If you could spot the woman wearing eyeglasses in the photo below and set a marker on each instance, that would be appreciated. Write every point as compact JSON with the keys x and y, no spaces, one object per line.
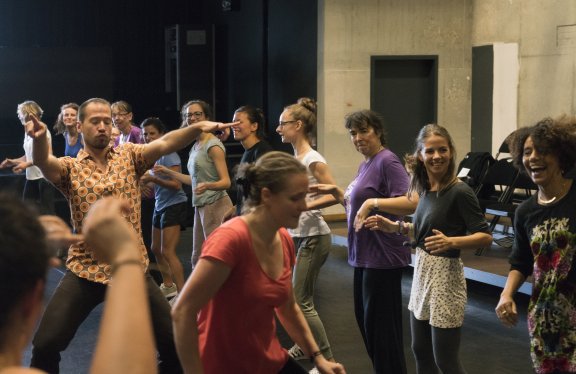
{"x":312,"y":236}
{"x":122,"y":117}
{"x":208,"y":177}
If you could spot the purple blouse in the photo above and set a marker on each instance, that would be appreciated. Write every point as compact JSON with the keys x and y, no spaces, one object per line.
{"x":380,"y":177}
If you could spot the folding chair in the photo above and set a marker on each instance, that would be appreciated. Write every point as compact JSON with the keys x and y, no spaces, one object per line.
{"x":501,"y":177}
{"x":523,"y":189}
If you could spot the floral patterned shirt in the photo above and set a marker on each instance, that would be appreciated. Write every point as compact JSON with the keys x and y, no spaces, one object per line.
{"x":545,"y":243}
{"x":82,"y":182}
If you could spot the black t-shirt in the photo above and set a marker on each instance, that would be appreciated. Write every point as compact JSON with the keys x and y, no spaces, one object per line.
{"x":537,"y":226}
{"x":249,"y":156}
{"x":455,"y":212}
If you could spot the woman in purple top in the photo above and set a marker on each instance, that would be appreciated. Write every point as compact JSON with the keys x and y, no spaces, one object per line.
{"x":378,"y":258}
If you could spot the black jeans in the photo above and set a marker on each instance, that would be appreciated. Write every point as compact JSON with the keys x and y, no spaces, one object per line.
{"x":40,"y":193}
{"x":72,"y":302}
{"x":378,"y":310}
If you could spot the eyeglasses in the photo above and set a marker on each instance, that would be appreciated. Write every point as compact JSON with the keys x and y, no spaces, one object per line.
{"x":284,"y":123}
{"x":122,"y":114}
{"x":193,"y":114}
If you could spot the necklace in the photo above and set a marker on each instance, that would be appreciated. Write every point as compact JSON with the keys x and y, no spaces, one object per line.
{"x":563,"y":192}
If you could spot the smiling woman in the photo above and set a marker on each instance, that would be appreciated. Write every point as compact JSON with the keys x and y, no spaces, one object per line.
{"x":544,"y":244}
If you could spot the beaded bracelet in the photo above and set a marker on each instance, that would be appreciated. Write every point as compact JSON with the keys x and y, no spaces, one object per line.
{"x":117,"y":265}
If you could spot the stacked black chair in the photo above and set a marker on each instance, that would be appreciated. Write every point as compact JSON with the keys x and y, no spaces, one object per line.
{"x":501,"y":177}
{"x":523,"y":189}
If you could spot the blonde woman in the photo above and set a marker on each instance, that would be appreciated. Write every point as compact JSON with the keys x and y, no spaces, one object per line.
{"x":312,"y":237}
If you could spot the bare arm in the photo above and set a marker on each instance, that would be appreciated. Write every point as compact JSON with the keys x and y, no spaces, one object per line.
{"x":12,"y":162}
{"x":321,"y":172}
{"x":203,"y":284}
{"x":219,"y":157}
{"x":296,"y":326}
{"x":172,"y":183}
{"x":18,"y":165}
{"x":125,"y":342}
{"x":328,"y":189}
{"x":506,"y":308}
{"x":439,"y":242}
{"x":400,"y":206}
{"x":42,"y":150}
{"x":177,"y":175}
{"x":178,"y":139}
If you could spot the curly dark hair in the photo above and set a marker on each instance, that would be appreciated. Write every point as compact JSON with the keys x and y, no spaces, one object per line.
{"x":555,"y":136}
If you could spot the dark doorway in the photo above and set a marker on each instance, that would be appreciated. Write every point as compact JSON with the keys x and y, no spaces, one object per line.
{"x":482,"y":97}
{"x":403,"y":89}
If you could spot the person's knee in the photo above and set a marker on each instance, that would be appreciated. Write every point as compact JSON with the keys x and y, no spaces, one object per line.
{"x":156,"y":249}
{"x":307,"y":308}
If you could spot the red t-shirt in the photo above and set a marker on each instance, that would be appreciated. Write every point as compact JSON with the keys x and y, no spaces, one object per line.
{"x":237,"y":328}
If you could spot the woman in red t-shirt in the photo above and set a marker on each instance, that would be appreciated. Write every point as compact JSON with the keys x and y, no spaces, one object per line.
{"x":224,"y":320}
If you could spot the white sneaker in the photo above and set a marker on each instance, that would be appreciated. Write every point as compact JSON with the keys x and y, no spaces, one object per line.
{"x":169,"y":292}
{"x":172,"y":301}
{"x":314,"y":371}
{"x":296,"y":353}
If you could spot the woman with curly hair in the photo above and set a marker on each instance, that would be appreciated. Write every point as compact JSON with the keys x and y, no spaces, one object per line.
{"x":544,"y":244}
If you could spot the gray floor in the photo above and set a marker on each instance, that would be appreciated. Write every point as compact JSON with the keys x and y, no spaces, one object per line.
{"x":487,"y":346}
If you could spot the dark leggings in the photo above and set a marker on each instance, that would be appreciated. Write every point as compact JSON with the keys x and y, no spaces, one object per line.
{"x":436,"y":350}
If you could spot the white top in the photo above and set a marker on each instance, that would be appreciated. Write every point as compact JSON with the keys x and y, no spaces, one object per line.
{"x":311,"y":221}
{"x":33,"y":172}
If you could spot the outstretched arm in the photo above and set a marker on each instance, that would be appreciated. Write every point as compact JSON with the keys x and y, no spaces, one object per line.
{"x":177,"y":175}
{"x":400,"y":206}
{"x":180,"y":138}
{"x":125,"y":342}
{"x":172,"y":183}
{"x":328,"y":189}
{"x":321,"y":172}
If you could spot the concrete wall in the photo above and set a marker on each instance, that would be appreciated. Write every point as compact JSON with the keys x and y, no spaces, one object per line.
{"x":350,"y":31}
{"x":545,"y":31}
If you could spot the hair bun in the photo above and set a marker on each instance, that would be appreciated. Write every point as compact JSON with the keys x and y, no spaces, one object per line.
{"x":308,"y":103}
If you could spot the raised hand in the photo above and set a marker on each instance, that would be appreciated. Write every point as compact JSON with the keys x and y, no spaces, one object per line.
{"x":34,"y":127}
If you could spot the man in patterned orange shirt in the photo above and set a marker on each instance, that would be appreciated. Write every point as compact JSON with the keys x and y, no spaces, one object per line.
{"x":100,"y":170}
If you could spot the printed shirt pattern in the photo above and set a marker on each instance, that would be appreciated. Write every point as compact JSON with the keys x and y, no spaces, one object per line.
{"x":552,"y":309}
{"x":83,"y":183}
